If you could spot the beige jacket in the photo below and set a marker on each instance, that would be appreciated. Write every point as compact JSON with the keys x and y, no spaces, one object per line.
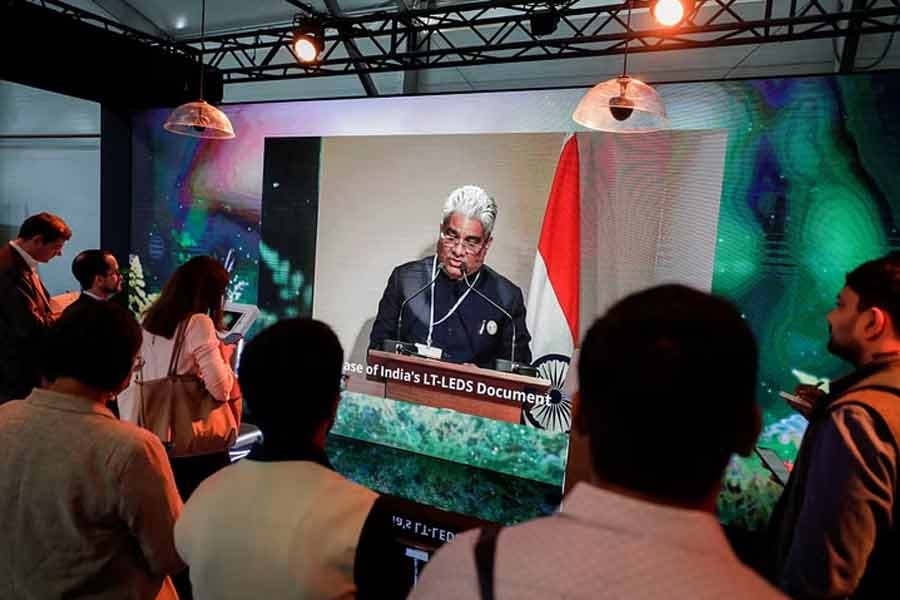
{"x":286,"y":530}
{"x":88,"y":503}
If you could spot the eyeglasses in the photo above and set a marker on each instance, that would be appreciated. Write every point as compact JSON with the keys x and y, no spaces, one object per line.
{"x":471,"y":245}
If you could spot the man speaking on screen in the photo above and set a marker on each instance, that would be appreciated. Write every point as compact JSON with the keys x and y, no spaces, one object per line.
{"x":451,"y":304}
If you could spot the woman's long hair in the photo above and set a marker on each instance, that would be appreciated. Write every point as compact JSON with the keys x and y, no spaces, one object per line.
{"x":196,"y":287}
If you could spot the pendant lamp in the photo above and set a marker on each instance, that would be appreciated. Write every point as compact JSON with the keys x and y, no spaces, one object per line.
{"x":199,"y":118}
{"x":622,"y":104}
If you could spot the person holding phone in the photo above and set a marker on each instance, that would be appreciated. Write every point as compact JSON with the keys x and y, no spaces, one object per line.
{"x":834,"y":530}
{"x":191,"y":302}
{"x":776,"y":466}
{"x":193,"y":297}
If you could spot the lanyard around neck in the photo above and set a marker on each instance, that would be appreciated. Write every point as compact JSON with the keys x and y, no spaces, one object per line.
{"x":431,"y":322}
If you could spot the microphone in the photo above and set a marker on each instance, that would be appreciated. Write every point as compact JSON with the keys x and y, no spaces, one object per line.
{"x":437,"y":274}
{"x":512,"y":357}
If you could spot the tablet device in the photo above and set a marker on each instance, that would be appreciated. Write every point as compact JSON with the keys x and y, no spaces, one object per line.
{"x":773,"y":463}
{"x":238,"y":318}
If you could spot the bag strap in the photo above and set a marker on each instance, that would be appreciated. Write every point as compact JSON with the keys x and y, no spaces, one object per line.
{"x":877,"y":387}
{"x":139,"y":379}
{"x":176,"y":348}
{"x":485,"y":557}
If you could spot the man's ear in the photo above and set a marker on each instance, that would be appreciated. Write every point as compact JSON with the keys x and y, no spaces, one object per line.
{"x":334,"y":411}
{"x":578,"y":462}
{"x":579,"y":419}
{"x":877,"y":322}
{"x":487,"y":244}
{"x":748,"y":435}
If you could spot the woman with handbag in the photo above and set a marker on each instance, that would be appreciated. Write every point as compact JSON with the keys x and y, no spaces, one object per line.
{"x":185,"y":390}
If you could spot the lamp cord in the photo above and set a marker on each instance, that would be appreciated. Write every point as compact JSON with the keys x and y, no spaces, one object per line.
{"x":202,"y":44}
{"x":627,"y":32}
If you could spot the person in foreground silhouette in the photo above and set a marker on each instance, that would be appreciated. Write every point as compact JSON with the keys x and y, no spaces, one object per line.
{"x":667,"y":381}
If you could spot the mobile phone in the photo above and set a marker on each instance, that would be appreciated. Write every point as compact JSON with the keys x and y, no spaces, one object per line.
{"x":232,"y":338}
{"x":797,"y":403}
{"x":773,"y":463}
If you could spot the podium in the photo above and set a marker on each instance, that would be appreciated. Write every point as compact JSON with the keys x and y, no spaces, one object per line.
{"x":463,"y":388}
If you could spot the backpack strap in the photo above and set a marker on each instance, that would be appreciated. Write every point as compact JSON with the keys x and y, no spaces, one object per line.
{"x":875,"y":401}
{"x":880,"y":401}
{"x":875,"y":386}
{"x":485,"y":558}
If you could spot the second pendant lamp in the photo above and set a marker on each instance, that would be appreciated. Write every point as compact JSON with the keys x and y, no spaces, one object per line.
{"x":199,"y":118}
{"x":622,"y":104}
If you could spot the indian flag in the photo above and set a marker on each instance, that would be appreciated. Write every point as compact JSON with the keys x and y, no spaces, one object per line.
{"x":554,"y":293}
{"x":625,"y":212}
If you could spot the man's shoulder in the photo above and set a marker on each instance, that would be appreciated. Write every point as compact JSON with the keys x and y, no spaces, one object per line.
{"x":130,"y":439}
{"x":523,"y":535}
{"x":524,"y":552}
{"x":131,"y":433}
{"x":304,"y":475}
{"x":10,"y":261}
{"x":420,"y":265}
{"x":864,"y":419}
{"x":453,"y":560}
{"x":412,"y":273}
{"x":12,"y":409}
{"x":310,"y":474}
{"x":877,"y":394}
{"x":119,"y":440}
{"x":81,"y":300}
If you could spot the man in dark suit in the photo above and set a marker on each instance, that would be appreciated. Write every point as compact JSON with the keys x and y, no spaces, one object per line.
{"x":25,"y":303}
{"x":97,"y":271}
{"x":450,"y":311}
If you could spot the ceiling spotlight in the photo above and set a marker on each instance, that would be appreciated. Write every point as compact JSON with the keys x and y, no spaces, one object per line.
{"x":669,"y":13}
{"x":544,"y":23}
{"x":308,"y":41}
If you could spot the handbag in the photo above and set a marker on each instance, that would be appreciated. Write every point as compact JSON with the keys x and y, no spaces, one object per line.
{"x":182,"y":413}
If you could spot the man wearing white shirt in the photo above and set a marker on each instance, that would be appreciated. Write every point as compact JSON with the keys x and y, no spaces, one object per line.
{"x":281,"y":523}
{"x":666,"y":395}
{"x":25,"y":303}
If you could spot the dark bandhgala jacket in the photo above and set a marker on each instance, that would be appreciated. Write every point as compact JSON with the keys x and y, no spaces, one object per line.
{"x":474,"y":332}
{"x":24,"y":317}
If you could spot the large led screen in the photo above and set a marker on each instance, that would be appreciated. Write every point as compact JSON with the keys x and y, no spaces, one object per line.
{"x":764,"y":191}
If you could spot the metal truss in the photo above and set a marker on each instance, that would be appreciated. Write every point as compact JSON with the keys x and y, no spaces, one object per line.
{"x":482,"y":33}
{"x":86,"y":17}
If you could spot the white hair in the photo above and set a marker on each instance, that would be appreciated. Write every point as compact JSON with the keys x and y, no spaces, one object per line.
{"x":473,"y":202}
